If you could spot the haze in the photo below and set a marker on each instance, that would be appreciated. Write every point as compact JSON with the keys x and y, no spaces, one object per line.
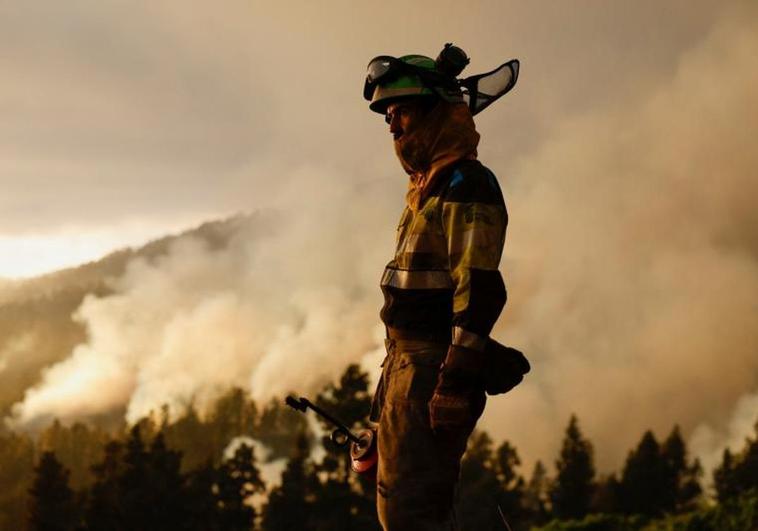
{"x":625,"y":154}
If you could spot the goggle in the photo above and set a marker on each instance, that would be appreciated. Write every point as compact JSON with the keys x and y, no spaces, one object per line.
{"x":384,"y":68}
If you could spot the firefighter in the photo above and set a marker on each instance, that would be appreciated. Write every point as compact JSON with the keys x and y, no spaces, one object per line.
{"x":442,"y":289}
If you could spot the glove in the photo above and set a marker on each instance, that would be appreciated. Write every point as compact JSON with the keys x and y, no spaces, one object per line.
{"x":458,"y":399}
{"x":505,"y":368}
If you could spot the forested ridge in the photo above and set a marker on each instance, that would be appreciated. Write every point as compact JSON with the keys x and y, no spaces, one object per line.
{"x":203,"y":472}
{"x":37,"y":324}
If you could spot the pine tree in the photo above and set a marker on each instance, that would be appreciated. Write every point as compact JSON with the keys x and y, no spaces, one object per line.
{"x":201,"y":506}
{"x":738,"y":473}
{"x":536,"y":501}
{"x":605,"y":499}
{"x":105,"y":509}
{"x":165,"y":490}
{"x":290,"y":505}
{"x":16,"y":473}
{"x":644,"y":484}
{"x":511,"y":498}
{"x":189,"y":434}
{"x":746,"y":469}
{"x":52,"y":505}
{"x":344,"y":500}
{"x":571,"y":492}
{"x":238,"y":480}
{"x":233,"y":415}
{"x":76,"y":447}
{"x":350,"y":402}
{"x":479,"y":486}
{"x":138,"y":487}
{"x":681,"y":477}
{"x":133,"y":485}
{"x":724,"y":478}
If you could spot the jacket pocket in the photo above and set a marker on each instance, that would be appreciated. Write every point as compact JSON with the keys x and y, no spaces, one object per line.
{"x":413,"y":372}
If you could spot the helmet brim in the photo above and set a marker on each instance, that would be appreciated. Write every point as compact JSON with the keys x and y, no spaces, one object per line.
{"x":385,"y":96}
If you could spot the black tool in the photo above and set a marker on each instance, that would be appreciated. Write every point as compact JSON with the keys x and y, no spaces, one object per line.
{"x":363,"y":456}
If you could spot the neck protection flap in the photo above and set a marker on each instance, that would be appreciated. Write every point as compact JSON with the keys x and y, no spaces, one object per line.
{"x":444,"y":136}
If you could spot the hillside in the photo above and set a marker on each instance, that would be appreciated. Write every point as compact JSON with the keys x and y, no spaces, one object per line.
{"x":36,"y":324}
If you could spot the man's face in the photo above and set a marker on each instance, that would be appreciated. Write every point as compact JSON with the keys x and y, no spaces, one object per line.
{"x":404,"y":117}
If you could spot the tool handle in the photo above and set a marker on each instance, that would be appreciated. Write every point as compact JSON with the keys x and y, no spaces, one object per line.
{"x":302,"y":404}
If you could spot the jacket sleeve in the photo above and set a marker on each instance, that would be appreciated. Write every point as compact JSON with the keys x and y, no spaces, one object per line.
{"x":474,"y":219}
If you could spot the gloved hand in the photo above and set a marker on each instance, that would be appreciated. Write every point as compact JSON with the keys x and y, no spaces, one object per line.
{"x":458,"y":399}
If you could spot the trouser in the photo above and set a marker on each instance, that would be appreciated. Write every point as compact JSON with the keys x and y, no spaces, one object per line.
{"x":418,"y":469}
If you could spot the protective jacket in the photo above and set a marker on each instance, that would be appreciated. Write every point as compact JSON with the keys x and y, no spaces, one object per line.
{"x":444,"y":280}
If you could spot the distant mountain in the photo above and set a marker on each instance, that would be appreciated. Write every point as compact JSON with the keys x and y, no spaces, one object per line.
{"x":36,"y":328}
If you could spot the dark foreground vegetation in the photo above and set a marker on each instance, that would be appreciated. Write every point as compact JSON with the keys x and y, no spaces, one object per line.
{"x":183,"y":474}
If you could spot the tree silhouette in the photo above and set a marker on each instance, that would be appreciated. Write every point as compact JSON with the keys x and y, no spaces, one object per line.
{"x":133,"y":484}
{"x":16,"y":472}
{"x":104,"y":512}
{"x":344,"y":500}
{"x":644,"y":479}
{"x":138,"y":487}
{"x":682,"y":485}
{"x":512,"y":485}
{"x":738,"y":473}
{"x":349,"y":401}
{"x":489,"y":481}
{"x":605,"y":498}
{"x":202,"y":507}
{"x":480,"y":487}
{"x":238,"y":480}
{"x":165,"y":490}
{"x":189,"y":434}
{"x":233,"y":415}
{"x":571,"y":492}
{"x":290,"y":505}
{"x":52,"y":504}
{"x":536,"y":501}
{"x":724,"y":478}
{"x":76,"y":447}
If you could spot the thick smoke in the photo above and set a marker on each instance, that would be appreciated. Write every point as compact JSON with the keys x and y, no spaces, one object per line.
{"x":709,"y":443}
{"x":285,"y":306}
{"x":632,"y":254}
{"x":631,"y":261}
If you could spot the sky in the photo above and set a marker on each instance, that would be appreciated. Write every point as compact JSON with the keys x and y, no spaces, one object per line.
{"x":624,"y":154}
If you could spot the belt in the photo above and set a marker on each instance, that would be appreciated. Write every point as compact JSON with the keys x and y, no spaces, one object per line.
{"x":434,"y":336}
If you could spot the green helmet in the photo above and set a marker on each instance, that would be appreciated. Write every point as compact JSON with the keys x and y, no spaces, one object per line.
{"x":389,"y":79}
{"x":408,"y":85}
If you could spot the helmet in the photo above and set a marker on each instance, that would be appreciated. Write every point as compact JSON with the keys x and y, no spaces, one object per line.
{"x":405,"y":84}
{"x":390,"y":79}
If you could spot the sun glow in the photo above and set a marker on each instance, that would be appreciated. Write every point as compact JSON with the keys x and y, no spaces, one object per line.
{"x":35,"y":255}
{"x":30,"y":255}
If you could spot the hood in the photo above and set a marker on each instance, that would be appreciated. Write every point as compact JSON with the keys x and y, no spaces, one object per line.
{"x":444,"y":136}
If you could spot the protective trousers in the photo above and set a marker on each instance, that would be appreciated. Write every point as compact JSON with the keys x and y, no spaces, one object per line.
{"x":418,"y":469}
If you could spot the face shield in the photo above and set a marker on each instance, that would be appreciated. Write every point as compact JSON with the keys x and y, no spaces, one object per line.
{"x":481,"y":90}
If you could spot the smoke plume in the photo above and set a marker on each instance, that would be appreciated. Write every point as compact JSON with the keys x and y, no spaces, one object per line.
{"x":631,"y":261}
{"x":632,"y":256}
